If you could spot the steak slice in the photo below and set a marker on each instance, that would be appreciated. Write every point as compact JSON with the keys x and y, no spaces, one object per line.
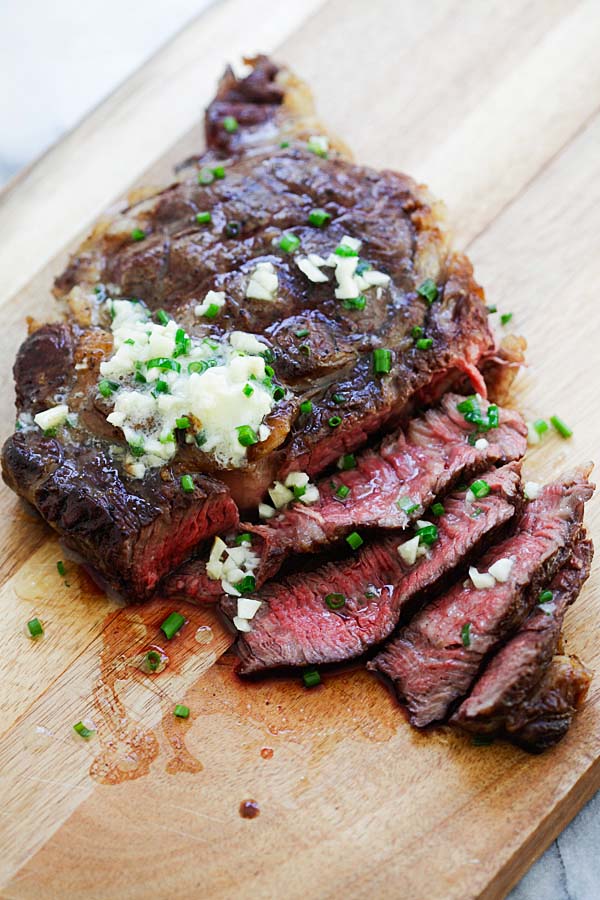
{"x":515,"y":672}
{"x":418,"y":463}
{"x":155,"y":251}
{"x":130,"y":535}
{"x":295,"y":626}
{"x":434,"y":661}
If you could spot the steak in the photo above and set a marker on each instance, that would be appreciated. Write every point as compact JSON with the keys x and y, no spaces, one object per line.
{"x":435,"y":659}
{"x":296,"y":626}
{"x":515,"y":671}
{"x":546,"y":715}
{"x":364,"y":362}
{"x":415,"y":464}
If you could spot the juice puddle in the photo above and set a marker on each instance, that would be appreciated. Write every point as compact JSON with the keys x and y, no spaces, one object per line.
{"x":125,"y":693}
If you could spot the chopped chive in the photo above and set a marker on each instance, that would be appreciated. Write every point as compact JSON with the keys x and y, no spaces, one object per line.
{"x":164,"y":363}
{"x":167,"y":438}
{"x":493,"y":416}
{"x":141,"y":379}
{"x":182,"y":422}
{"x":428,"y":290}
{"x":232,"y":229}
{"x":492,"y":309}
{"x":181,"y":711}
{"x":289,"y":242}
{"x":339,"y":398}
{"x":83,"y":731}
{"x":198,"y":366}
{"x":480,"y":488}
{"x":246,"y":435}
{"x":302,"y":332}
{"x":219,"y":172}
{"x":311,"y":678}
{"x":162,"y":317}
{"x":319,"y":217}
{"x":465,"y":635}
{"x":187,"y":484}
{"x":335,"y":601}
{"x":407,"y":505}
{"x":559,"y":425}
{"x":247,"y":390}
{"x":211,"y":311}
{"x":244,"y":538}
{"x":299,"y":490}
{"x":424,"y":344}
{"x":61,"y":568}
{"x":438,"y":509}
{"x":306,"y":407}
{"x":247,"y":585}
{"x":342,"y":492}
{"x":318,"y":145}
{"x":35,"y":628}
{"x":417,"y":331}
{"x":545,"y":597}
{"x":138,"y":234}
{"x":382,"y":361}
{"x":346,"y":462}
{"x":50,"y":432}
{"x":137,"y":449}
{"x":172,"y":624}
{"x":540,"y":426}
{"x":270,"y":371}
{"x":278,"y":392}
{"x":106,"y":388}
{"x":200,"y":439}
{"x":427,"y":535}
{"x":505,"y":318}
{"x":334,"y":421}
{"x":152,"y":660}
{"x":161,"y":387}
{"x":345,"y":251}
{"x":230,"y":124}
{"x":203,"y":218}
{"x":469,"y":405}
{"x":205,"y":176}
{"x":355,"y":302}
{"x":354,"y":540}
{"x":130,"y":341}
{"x":284,"y":144}
{"x":304,"y":348}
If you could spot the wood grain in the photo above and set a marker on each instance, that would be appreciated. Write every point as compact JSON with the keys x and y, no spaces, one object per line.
{"x":497,"y":110}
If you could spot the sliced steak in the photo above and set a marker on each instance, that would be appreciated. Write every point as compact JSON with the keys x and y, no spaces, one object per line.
{"x":435,"y":659}
{"x":156,"y":251}
{"x":130,"y":535}
{"x":296,"y":626}
{"x":416,"y":464}
{"x":546,"y":715}
{"x":515,"y":672}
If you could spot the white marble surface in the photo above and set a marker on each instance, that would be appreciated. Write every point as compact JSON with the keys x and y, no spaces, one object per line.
{"x":58,"y":60}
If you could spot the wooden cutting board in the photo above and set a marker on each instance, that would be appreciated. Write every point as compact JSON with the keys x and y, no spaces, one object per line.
{"x":496,"y":107}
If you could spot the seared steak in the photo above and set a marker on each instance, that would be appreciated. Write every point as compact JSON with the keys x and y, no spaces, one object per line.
{"x":340,"y":610}
{"x":363,"y":338}
{"x":436,"y":658}
{"x":546,"y":715}
{"x":497,"y":700}
{"x":414,"y":465}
